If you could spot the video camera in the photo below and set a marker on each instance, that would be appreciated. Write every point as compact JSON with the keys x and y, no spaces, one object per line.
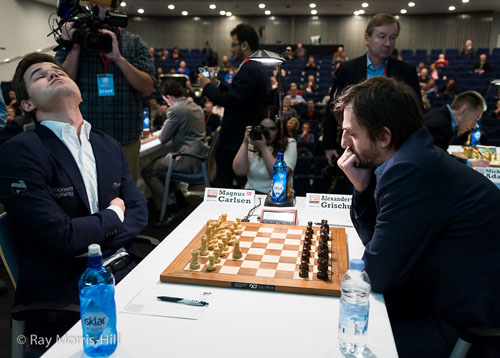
{"x":87,"y":24}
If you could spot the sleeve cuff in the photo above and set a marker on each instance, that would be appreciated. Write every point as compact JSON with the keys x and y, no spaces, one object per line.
{"x":118,"y":212}
{"x":469,"y":163}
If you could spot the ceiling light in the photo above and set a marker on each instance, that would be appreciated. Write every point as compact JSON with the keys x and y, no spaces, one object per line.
{"x":6,"y":60}
{"x":314,"y":12}
{"x":451,"y":8}
{"x":39,"y":50}
{"x":365,"y":4}
{"x":229,"y":13}
{"x":267,"y":12}
{"x":361,"y":12}
{"x":212,"y":6}
{"x":465,"y":1}
{"x":411,"y":4}
{"x":396,"y":16}
{"x":312,"y":5}
{"x":171,"y":7}
{"x":222,"y":12}
{"x":196,"y":18}
{"x":261,"y":6}
{"x":356,"y":12}
{"x":403,"y":11}
{"x":123,"y":4}
{"x":140,"y":11}
{"x":272,"y":18}
{"x":184,"y":13}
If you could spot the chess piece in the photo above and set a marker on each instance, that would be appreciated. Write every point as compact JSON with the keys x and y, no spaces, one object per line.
{"x":304,"y":270}
{"x":237,"y":250}
{"x":322,"y":269}
{"x":306,"y":253}
{"x":305,"y":257}
{"x":203,"y":248}
{"x":216,"y":256}
{"x":223,"y":217}
{"x":323,"y":254}
{"x":195,"y":264}
{"x":221,"y":249}
{"x":211,"y":263}
{"x":309,"y":224}
{"x":324,"y":224}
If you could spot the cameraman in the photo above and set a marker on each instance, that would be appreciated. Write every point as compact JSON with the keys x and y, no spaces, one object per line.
{"x":129,"y":68}
{"x":257,"y":163}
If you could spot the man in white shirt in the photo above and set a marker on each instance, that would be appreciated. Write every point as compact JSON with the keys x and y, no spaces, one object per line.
{"x":64,"y":186}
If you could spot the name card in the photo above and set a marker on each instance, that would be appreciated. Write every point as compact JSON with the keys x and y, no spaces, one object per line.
{"x":328,"y":201}
{"x":230,"y":196}
{"x":492,"y":174}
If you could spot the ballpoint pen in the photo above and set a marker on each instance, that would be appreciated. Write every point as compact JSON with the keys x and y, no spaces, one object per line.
{"x":183,"y":300}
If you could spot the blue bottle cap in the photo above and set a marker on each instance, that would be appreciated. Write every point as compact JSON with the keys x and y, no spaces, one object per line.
{"x":357,"y":264}
{"x":280,"y":156}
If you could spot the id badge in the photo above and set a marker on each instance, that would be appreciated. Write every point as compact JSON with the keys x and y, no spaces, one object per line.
{"x":105,"y":85}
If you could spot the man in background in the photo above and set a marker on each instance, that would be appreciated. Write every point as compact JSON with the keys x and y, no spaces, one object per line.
{"x":456,"y":119}
{"x":112,"y":85}
{"x":242,"y":101}
{"x":429,"y":224}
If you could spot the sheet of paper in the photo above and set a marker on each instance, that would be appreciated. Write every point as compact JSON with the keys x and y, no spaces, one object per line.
{"x":146,"y":302}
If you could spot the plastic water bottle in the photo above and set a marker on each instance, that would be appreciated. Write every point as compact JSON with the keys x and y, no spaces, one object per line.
{"x":97,"y":306}
{"x":146,"y":123}
{"x":279,"y":179}
{"x":354,"y":308}
{"x":476,"y":136}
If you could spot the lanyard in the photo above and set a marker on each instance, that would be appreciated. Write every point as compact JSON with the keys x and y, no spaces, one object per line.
{"x":106,"y":61}
{"x":385,"y":71}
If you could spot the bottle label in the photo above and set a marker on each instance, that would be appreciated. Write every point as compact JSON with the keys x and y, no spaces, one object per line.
{"x":353,"y":318}
{"x":94,"y":321}
{"x":279,"y":184}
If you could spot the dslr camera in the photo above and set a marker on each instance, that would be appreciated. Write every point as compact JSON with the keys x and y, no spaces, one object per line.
{"x":87,"y":24}
{"x":257,"y":132}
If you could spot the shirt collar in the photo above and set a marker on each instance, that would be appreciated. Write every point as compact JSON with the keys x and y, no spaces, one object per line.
{"x":380,"y":168}
{"x":370,"y":65}
{"x":454,"y":122}
{"x":62,"y":128}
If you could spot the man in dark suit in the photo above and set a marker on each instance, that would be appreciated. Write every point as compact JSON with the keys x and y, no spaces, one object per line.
{"x":380,"y":39}
{"x":429,"y":224}
{"x":456,"y":119}
{"x":242,"y":101}
{"x":64,"y":186}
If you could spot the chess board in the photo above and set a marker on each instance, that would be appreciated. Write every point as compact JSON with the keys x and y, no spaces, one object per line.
{"x":271,"y":259}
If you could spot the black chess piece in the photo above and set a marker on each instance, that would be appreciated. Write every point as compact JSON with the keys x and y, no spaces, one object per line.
{"x":304,"y":269}
{"x":309,"y":224}
{"x":306,"y":251}
{"x":322,"y":269}
{"x":322,"y":246}
{"x":305,"y":257}
{"x":324,"y":224}
{"x":323,"y":254}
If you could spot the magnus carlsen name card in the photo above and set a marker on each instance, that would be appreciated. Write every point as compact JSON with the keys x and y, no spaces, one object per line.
{"x":328,"y":201}
{"x":230,"y":196}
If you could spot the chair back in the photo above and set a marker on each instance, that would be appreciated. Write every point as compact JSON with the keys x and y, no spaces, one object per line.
{"x":211,"y":167}
{"x":7,"y":250}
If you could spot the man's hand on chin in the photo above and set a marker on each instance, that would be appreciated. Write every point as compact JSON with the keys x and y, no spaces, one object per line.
{"x":359,"y":177}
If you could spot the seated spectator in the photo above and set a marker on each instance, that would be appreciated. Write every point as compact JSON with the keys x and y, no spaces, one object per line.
{"x":306,"y":136}
{"x":175,"y":54}
{"x":152,"y":52}
{"x":450,"y":89}
{"x":423,"y":77}
{"x":326,"y":99}
{"x":310,"y":87}
{"x":300,"y":52}
{"x":183,"y":70}
{"x":288,"y":109}
{"x":468,"y":50}
{"x":310,"y":65}
{"x":292,"y":127}
{"x":212,"y":120}
{"x":340,"y":55}
{"x":12,"y":101}
{"x":256,"y":161}
{"x":482,"y":66}
{"x":293,"y":86}
{"x":12,"y":126}
{"x":495,"y":113}
{"x":186,"y":127}
{"x":434,"y":71}
{"x":295,"y":99}
{"x":190,"y":92}
{"x":288,"y":55}
{"x":310,"y":113}
{"x":441,"y":61}
{"x":430,"y":86}
{"x":225,"y":63}
{"x":163,"y":54}
{"x":228,"y":78}
{"x":172,"y":71}
{"x":425,"y":101}
{"x":159,"y":72}
{"x":420,"y":67}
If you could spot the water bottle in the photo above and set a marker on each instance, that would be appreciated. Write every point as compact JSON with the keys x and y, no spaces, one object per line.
{"x":354,"y":308}
{"x":476,"y":136}
{"x":146,"y":123}
{"x":279,"y":179}
{"x":97,"y":306}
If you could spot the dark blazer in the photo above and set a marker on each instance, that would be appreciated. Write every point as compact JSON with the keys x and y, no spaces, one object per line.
{"x":430,"y":229}
{"x":242,"y":102}
{"x":438,"y":123}
{"x":354,"y":71}
{"x":45,"y":197}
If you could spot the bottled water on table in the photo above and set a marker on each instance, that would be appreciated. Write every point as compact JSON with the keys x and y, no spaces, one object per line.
{"x":354,"y":308}
{"x":279,"y":179}
{"x":97,"y":306}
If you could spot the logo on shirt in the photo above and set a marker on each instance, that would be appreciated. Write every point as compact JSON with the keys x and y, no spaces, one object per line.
{"x":19,"y":188}
{"x":63,"y":192}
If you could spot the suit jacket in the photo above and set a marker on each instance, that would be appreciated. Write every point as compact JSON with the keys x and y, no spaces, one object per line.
{"x":185,"y":124}
{"x":438,"y":123}
{"x":45,"y":197}
{"x":430,"y":229}
{"x":353,"y":72}
{"x":242,"y":102}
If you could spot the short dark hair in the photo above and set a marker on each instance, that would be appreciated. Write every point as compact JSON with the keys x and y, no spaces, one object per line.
{"x":472,"y":99}
{"x":172,"y":88}
{"x":381,"y":102}
{"x":247,"y":33}
{"x":18,"y":83}
{"x":381,"y":20}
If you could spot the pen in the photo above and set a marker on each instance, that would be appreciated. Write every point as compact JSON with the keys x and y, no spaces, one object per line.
{"x":183,"y":300}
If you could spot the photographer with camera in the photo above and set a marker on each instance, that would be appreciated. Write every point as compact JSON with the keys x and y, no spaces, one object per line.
{"x":111,"y":83}
{"x":258,"y":152}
